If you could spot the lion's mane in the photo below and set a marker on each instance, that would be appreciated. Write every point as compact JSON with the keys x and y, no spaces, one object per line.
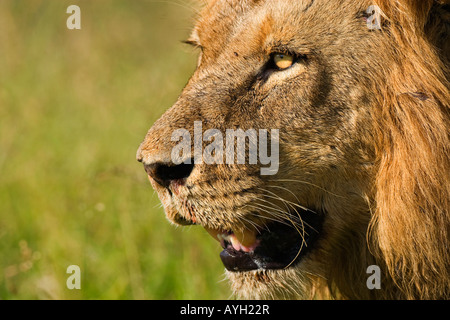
{"x":410,"y":225}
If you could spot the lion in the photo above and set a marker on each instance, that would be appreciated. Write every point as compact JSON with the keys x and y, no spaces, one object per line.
{"x":363,"y":176}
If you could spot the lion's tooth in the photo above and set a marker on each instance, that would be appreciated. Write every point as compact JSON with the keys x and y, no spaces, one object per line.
{"x":221,"y":240}
{"x":241,"y":241}
{"x":225,"y":237}
{"x":213,"y":232}
{"x":235,"y":243}
{"x":247,"y":238}
{"x":217,"y":234}
{"x":251,"y":248}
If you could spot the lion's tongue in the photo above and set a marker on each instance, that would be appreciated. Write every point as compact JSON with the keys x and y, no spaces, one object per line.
{"x":240,"y":240}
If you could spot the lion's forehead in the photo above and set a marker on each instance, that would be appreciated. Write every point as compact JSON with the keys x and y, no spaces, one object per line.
{"x":252,"y":23}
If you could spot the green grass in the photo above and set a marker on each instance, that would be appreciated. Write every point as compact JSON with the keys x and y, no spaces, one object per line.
{"x":74,"y":106}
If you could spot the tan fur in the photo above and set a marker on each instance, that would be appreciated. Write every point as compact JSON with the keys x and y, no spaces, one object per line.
{"x":364,"y":138}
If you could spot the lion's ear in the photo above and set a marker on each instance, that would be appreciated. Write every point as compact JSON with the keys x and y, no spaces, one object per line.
{"x":408,"y":13}
{"x":427,"y":19}
{"x":438,"y":29}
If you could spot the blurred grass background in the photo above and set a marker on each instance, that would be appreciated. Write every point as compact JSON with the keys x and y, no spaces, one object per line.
{"x":74,"y":106}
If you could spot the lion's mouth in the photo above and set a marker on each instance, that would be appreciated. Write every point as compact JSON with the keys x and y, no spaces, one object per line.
{"x":279,"y":246}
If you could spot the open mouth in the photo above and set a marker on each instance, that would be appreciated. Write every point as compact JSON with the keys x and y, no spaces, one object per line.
{"x":279,"y":246}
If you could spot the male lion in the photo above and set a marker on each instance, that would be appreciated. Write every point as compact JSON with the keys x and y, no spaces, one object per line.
{"x":364,"y":170}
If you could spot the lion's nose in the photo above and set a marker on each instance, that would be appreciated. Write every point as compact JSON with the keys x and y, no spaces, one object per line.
{"x":165,"y":173}
{"x":158,"y":150}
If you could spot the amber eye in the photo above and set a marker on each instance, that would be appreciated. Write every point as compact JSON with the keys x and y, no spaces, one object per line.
{"x":283,"y":61}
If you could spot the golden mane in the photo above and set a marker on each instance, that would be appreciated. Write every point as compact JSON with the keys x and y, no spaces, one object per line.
{"x":410,"y":227}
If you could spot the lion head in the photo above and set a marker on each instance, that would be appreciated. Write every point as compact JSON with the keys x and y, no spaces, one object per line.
{"x":354,"y":115}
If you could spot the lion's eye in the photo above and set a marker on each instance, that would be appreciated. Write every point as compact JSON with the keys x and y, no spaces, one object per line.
{"x":283,"y":61}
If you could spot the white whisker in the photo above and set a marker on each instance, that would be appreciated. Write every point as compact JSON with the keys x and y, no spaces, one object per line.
{"x":310,"y":184}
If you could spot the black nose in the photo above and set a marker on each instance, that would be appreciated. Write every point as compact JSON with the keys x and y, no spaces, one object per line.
{"x":164,"y":173}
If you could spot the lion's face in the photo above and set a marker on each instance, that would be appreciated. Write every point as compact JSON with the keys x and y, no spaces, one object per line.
{"x":304,"y":68}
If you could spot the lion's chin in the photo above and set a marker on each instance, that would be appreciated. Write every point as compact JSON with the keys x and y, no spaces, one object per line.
{"x":293,"y":283}
{"x":277,"y":267}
